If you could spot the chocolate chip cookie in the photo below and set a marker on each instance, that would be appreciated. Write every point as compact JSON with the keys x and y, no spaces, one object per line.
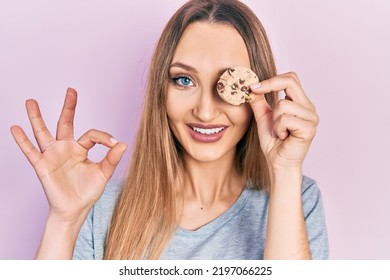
{"x":233,"y":85}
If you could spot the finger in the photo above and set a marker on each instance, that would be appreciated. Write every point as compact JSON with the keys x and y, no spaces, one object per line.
{"x":41,"y":133}
{"x":93,"y":136}
{"x":288,"y":125}
{"x":28,"y":149}
{"x":284,"y":106}
{"x":111,"y":160}
{"x":65,"y":122}
{"x":289,"y":83}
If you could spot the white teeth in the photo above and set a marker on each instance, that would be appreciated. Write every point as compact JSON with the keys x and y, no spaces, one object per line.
{"x":208,"y":130}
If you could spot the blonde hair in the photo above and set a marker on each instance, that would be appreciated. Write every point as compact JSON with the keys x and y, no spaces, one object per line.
{"x":145,"y":215}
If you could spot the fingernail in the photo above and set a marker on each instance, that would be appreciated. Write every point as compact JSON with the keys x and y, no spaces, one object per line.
{"x":70,"y":89}
{"x":113,"y":140}
{"x":255,"y":86}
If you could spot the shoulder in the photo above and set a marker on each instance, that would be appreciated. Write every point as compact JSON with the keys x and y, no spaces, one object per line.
{"x":309,"y":184}
{"x":310,"y":189}
{"x":104,"y":207}
{"x":102,"y":211}
{"x":315,"y":219}
{"x":110,"y":194}
{"x":313,"y":214}
{"x":91,"y":239}
{"x":311,"y":194}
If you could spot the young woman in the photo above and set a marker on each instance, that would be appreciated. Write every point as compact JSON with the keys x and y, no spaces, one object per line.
{"x":207,"y":180}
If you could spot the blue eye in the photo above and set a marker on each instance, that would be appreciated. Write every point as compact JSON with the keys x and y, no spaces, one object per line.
{"x":182,"y":81}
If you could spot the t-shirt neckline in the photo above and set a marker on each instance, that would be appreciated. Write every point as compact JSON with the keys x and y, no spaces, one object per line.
{"x":220,"y":220}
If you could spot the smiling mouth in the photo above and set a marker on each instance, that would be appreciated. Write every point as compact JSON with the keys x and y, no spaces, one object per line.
{"x":207,"y":131}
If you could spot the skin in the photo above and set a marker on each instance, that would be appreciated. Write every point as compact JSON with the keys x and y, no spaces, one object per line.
{"x":211,"y":183}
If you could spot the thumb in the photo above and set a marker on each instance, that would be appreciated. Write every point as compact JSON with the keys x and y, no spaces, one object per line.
{"x":265,"y":129}
{"x":263,"y":114}
{"x":111,"y":160}
{"x":258,"y":102}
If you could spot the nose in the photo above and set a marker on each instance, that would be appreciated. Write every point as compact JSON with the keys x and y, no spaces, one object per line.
{"x":207,"y":106}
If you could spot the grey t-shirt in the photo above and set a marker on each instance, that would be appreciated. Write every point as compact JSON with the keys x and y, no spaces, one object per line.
{"x":238,"y":233}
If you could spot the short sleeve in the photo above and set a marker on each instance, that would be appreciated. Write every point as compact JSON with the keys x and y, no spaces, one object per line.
{"x":315,"y":219}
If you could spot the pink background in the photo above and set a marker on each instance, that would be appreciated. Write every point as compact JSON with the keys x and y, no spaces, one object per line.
{"x":340,"y":49}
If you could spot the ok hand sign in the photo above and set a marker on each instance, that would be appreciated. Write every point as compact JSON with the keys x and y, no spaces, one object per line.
{"x":72,"y":183}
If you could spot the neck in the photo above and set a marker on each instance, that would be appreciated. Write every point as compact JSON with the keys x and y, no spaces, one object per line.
{"x":208,"y":189}
{"x":212,"y":181}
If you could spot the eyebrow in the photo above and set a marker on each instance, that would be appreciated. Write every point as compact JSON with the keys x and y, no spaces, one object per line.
{"x":192,"y":69}
{"x":183,"y":66}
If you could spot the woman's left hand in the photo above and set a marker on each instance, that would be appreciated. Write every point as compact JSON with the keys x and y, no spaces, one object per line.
{"x":286,"y":131}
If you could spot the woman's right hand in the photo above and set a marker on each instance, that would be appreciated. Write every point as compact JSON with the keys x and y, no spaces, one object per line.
{"x":72,"y":183}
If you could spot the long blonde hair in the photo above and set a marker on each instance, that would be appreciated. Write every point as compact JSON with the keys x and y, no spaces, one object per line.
{"x":145,"y":215}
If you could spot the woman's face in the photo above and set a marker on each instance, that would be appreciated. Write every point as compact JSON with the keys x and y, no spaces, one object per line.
{"x":207,"y":127}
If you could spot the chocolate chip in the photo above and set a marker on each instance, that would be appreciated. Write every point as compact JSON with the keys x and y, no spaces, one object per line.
{"x":220,"y":86}
{"x":234,"y":86}
{"x":230,"y":71}
{"x":241,"y":81}
{"x":233,"y":92}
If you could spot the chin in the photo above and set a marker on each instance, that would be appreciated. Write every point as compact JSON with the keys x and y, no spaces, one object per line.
{"x":209,"y":154}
